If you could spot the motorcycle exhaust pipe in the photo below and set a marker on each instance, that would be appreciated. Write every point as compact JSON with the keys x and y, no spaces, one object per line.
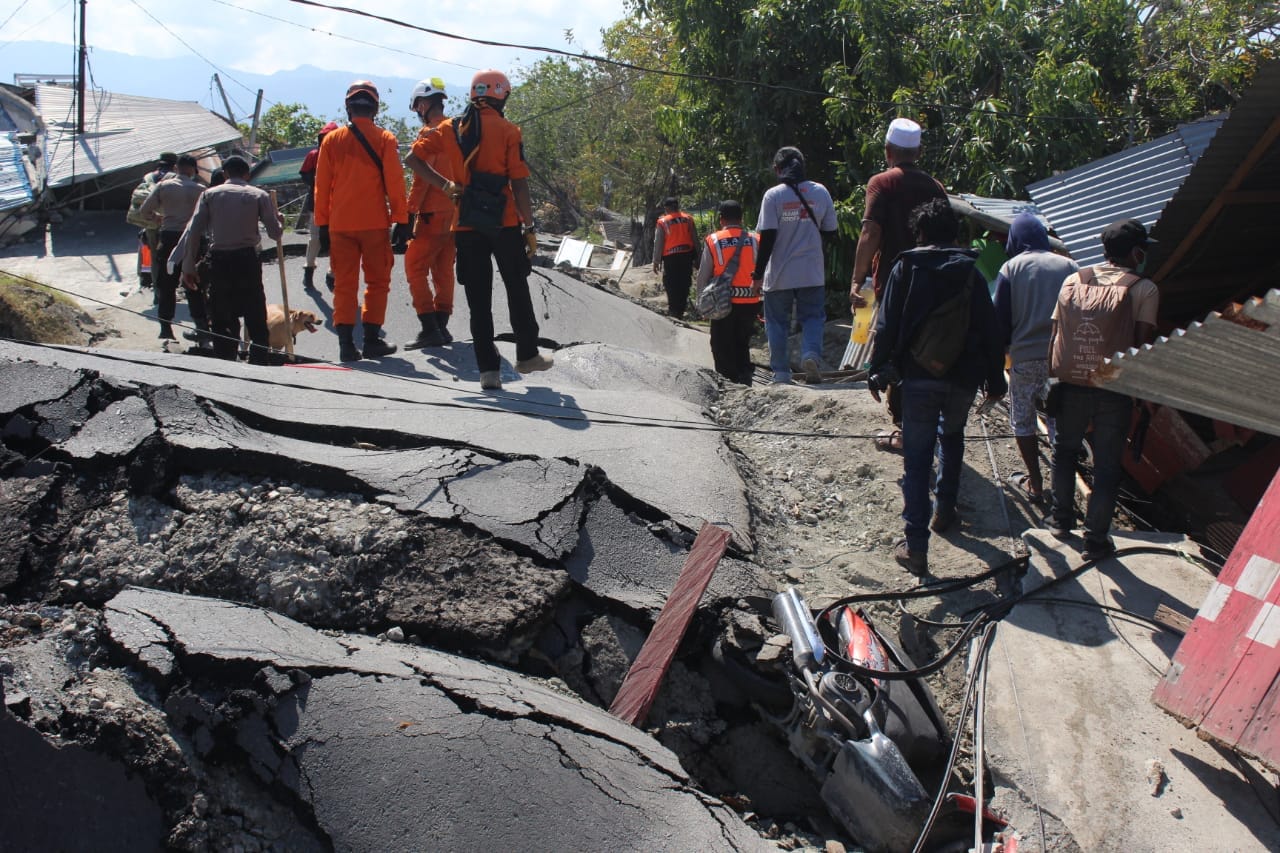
{"x":793,"y":615}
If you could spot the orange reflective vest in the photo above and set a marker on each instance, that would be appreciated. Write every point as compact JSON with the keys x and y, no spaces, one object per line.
{"x":722,"y":245}
{"x":677,"y":233}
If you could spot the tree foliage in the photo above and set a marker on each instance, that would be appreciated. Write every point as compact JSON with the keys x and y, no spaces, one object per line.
{"x":592,"y":131}
{"x":1008,"y":91}
{"x":286,"y":126}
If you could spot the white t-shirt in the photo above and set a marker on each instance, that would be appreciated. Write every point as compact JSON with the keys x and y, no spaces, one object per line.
{"x":796,"y":260}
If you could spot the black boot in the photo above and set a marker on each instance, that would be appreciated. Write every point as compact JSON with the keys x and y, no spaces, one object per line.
{"x":430,"y":334}
{"x":374,"y":345}
{"x":308,"y":278}
{"x":442,"y":323}
{"x":346,"y":344}
{"x":166,"y":331}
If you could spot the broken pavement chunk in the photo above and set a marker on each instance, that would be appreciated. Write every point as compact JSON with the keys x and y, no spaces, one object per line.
{"x":394,"y":746}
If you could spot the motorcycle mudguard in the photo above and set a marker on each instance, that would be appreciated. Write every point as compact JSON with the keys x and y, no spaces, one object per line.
{"x":909,"y":715}
{"x":874,"y":794}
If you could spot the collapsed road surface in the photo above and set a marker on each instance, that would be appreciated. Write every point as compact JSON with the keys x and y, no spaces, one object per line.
{"x":381,"y":538}
{"x":320,"y":742}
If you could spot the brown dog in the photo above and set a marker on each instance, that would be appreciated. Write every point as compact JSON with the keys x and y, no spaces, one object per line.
{"x":280,"y":332}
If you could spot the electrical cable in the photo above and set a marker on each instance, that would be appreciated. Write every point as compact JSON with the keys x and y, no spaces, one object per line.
{"x":206,"y":59}
{"x":966,"y":702}
{"x":15,"y":11}
{"x":343,"y":37}
{"x":982,"y":614}
{"x":606,"y":419}
{"x":38,"y":23}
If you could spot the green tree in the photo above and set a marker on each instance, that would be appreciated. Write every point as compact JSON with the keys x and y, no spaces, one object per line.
{"x":1008,"y":90}
{"x":286,"y":126}
{"x":593,"y":131}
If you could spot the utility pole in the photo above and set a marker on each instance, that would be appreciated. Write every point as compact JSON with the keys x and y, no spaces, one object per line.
{"x":80,"y":83}
{"x":226,"y":102}
{"x":253,"y":131}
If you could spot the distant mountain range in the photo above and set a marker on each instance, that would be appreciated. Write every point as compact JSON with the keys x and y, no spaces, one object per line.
{"x":191,"y":79}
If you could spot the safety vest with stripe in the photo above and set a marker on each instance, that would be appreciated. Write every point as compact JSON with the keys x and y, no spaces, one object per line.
{"x":723,"y":244}
{"x":677,"y":233}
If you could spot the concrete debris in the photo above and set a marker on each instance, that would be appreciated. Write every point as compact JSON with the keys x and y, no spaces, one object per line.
{"x":1156,"y":777}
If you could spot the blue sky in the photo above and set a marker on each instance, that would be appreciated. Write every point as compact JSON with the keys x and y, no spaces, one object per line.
{"x":266,"y":36}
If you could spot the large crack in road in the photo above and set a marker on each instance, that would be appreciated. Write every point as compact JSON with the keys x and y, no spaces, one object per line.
{"x":142,"y":513}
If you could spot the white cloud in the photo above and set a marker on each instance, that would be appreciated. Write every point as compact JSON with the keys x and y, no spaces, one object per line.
{"x":236,"y":39}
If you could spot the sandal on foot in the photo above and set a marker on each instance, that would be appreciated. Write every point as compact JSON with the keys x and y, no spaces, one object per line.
{"x":889,"y":440}
{"x":1021,"y":483}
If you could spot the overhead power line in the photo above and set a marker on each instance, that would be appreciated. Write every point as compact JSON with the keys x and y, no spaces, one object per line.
{"x":38,"y":23}
{"x":344,"y":37}
{"x":206,"y":59}
{"x":16,"y":10}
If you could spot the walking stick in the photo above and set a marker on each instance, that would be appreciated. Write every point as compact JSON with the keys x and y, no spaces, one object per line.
{"x":284,"y":288}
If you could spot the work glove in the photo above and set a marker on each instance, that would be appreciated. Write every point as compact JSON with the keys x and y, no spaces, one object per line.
{"x":400,"y":236}
{"x":324,"y":238}
{"x":453,"y":190}
{"x":530,"y":243}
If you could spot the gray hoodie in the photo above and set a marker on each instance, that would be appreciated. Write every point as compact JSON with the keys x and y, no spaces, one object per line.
{"x":1027,"y":289}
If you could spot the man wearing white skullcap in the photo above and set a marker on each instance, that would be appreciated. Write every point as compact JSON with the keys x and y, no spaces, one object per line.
{"x":891,"y":196}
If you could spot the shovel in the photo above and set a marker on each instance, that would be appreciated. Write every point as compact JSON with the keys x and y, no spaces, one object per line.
{"x":873,"y":792}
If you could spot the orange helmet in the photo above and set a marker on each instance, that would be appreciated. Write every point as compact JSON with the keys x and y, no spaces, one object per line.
{"x":490,"y":84}
{"x":363,"y":88}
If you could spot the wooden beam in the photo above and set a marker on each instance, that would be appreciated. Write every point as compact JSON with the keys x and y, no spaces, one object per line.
{"x":1253,"y":197}
{"x":1215,"y":207}
{"x":643,"y":680}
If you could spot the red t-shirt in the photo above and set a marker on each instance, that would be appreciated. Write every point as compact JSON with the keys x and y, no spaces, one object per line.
{"x":891,"y":196}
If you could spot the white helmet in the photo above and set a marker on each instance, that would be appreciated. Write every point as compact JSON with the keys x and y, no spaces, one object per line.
{"x":425,"y":89}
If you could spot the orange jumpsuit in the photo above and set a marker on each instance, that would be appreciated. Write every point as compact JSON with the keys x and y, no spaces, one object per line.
{"x":359,"y":202}
{"x":431,"y":252}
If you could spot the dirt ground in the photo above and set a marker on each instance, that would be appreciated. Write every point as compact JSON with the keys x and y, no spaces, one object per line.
{"x":826,"y":503}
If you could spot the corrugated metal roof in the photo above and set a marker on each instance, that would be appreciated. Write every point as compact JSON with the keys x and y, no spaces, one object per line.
{"x":279,"y":167}
{"x":1226,"y":368}
{"x":1137,"y":182}
{"x":121,"y":132}
{"x":1003,"y":209}
{"x":15,"y":185}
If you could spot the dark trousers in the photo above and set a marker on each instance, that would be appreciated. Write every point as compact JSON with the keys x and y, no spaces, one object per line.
{"x":166,"y":283}
{"x":677,"y":278}
{"x":1109,"y":413}
{"x":235,"y":291}
{"x":731,"y":342}
{"x":933,"y":418}
{"x":477,"y":250}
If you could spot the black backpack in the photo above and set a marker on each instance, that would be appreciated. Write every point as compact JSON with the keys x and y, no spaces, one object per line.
{"x":940,"y":338}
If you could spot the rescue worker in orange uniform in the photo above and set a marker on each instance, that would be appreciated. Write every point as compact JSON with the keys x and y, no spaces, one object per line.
{"x":431,"y":252}
{"x":494,"y":219}
{"x":731,"y":336}
{"x":674,"y":240}
{"x":359,"y":194}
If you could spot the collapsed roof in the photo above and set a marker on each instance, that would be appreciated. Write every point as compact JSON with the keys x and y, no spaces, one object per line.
{"x":121,"y":132}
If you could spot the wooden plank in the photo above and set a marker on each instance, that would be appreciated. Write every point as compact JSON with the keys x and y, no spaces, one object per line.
{"x":1261,"y":739}
{"x":643,"y":680}
{"x":1238,"y":704}
{"x":1213,"y":654}
{"x":1172,"y":619}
